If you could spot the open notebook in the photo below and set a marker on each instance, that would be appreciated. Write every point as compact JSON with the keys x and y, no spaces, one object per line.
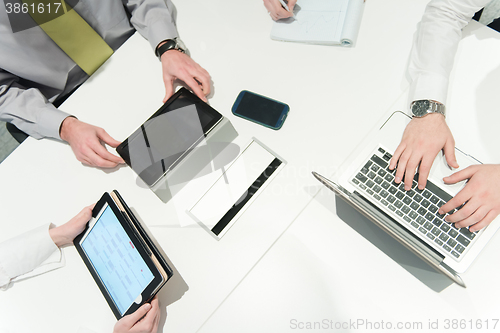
{"x":328,"y":22}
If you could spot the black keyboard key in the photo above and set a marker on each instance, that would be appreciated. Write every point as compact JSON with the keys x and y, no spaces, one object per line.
{"x":387,"y":156}
{"x":355,"y":181}
{"x":467,"y":233}
{"x":453,"y":233}
{"x":384,"y":194}
{"x":405,"y":209}
{"x":445,"y":227}
{"x":414,"y":205}
{"x":400,"y":195}
{"x":391,"y":199}
{"x":451,"y":242}
{"x":362,"y":186}
{"x":402,"y":187}
{"x":374,"y":167}
{"x":425,"y":203}
{"x":437,"y":222}
{"x":376,"y":196}
{"x":376,"y":188}
{"x":437,"y":192}
{"x":433,"y":209}
{"x":371,"y":175}
{"x":379,"y":161}
{"x":459,"y":248}
{"x":431,"y":236}
{"x":429,"y":216}
{"x":455,"y":254}
{"x":435,"y":231}
{"x":415,"y":225}
{"x":413,"y":215}
{"x":370,"y":183}
{"x":426,"y":194}
{"x":378,"y":180}
{"x":462,"y":240}
{"x":446,"y":247}
{"x":399,"y":213}
{"x":434,"y":199}
{"x":441,"y":203}
{"x":384,"y":202}
{"x":422,"y":230}
{"x":410,"y":193}
{"x":385,"y":185}
{"x":422,"y":211}
{"x":389,"y":177}
{"x":407,"y":200}
{"x":381,"y":173}
{"x":428,"y":226}
{"x":418,"y":197}
{"x":361,"y":177}
{"x":420,"y":220}
{"x":392,"y":190}
{"x":444,"y":237}
{"x":370,"y":192}
{"x":407,"y":219}
{"x":438,"y":242}
{"x":391,"y":207}
{"x":398,"y":204}
{"x":380,"y":149}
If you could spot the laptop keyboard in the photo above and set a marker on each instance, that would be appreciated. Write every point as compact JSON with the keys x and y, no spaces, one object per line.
{"x":417,"y":209}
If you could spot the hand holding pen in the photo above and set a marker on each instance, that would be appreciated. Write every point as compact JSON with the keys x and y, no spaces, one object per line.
{"x":280,"y":9}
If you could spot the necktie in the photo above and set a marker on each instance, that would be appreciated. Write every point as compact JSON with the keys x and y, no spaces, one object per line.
{"x":74,"y":36}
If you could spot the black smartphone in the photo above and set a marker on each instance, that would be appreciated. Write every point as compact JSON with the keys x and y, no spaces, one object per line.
{"x":260,"y":109}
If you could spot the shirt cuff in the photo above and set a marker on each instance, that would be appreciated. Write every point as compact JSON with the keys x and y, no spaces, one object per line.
{"x":28,"y":255}
{"x":159,"y":31}
{"x":429,"y":86}
{"x":50,"y":122}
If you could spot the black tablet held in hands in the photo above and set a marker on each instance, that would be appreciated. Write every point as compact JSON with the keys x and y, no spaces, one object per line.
{"x":120,"y":255}
{"x":168,"y":136}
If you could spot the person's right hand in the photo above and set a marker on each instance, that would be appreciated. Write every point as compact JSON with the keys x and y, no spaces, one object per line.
{"x":422,"y":140}
{"x":135,"y":323}
{"x":277,"y":11}
{"x":86,"y":141}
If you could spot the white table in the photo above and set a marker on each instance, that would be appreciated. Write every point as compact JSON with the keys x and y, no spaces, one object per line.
{"x":290,"y":255}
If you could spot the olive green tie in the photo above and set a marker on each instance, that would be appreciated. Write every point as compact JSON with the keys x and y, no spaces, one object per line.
{"x":73,"y":35}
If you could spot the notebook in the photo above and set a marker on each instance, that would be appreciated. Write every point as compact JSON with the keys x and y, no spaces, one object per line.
{"x":121,"y":257}
{"x":328,"y":22}
{"x":411,"y":217}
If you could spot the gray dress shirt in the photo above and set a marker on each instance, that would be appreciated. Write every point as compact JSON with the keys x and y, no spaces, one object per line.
{"x":34,"y":71}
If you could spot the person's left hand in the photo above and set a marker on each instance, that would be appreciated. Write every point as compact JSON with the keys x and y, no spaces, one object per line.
{"x":65,"y":233}
{"x":178,"y":65}
{"x":481,"y":195}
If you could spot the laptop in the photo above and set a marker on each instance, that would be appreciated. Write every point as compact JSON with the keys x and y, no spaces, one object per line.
{"x":365,"y":181}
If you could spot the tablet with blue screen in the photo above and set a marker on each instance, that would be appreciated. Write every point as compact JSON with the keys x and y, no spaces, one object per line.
{"x":125,"y":264}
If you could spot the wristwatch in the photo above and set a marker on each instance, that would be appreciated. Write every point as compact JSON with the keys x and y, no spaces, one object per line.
{"x":171,"y":44}
{"x":424,"y":107}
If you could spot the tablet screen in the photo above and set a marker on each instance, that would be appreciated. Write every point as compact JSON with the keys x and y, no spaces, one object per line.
{"x":161,"y":142}
{"x":116,"y":260}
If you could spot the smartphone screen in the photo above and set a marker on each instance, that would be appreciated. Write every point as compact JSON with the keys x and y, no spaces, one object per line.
{"x":262,"y":110}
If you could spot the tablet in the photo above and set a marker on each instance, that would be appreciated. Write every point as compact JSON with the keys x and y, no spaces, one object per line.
{"x":168,"y":135}
{"x":118,"y":258}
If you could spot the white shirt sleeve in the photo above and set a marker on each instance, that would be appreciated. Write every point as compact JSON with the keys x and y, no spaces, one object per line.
{"x":435,"y":44}
{"x":27,"y":255}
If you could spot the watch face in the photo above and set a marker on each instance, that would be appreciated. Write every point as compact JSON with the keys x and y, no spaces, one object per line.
{"x":419,"y":108}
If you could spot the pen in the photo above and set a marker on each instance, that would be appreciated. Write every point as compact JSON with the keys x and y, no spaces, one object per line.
{"x":285,"y":5}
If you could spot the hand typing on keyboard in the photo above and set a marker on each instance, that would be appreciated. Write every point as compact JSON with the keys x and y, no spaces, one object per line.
{"x":422,"y":140}
{"x":481,"y":195}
